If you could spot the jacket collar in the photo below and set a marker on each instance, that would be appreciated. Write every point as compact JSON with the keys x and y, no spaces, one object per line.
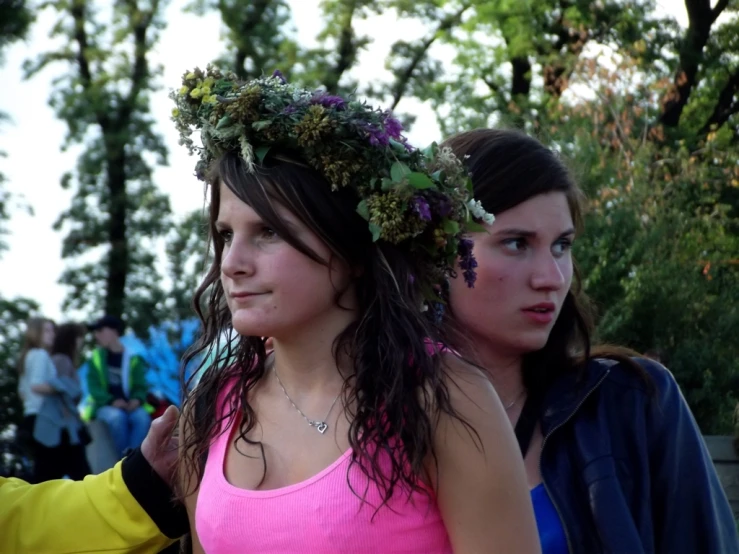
{"x":569,"y":392}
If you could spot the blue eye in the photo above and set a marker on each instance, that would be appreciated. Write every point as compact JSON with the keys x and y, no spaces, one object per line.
{"x":226,"y":235}
{"x":562,"y":246}
{"x":515,"y":244}
{"x":268,"y":233}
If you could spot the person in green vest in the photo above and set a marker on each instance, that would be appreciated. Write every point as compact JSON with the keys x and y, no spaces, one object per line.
{"x":117,"y":385}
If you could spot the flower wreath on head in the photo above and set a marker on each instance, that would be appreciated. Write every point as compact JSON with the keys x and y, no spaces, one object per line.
{"x":418,"y":199}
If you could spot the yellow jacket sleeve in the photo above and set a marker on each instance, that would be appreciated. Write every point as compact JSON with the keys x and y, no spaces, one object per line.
{"x":98,"y":514}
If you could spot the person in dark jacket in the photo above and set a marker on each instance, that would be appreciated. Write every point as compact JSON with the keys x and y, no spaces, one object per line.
{"x":613,"y":456}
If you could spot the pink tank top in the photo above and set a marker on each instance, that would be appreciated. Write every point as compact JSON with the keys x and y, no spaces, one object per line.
{"x":318,"y":516}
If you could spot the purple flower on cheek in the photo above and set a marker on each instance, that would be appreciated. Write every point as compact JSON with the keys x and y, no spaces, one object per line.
{"x":421,"y":207}
{"x":467,"y":261}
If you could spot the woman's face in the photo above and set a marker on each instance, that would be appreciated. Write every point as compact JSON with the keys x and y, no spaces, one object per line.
{"x":524,"y":273}
{"x":271,"y":288}
{"x":47,"y":334}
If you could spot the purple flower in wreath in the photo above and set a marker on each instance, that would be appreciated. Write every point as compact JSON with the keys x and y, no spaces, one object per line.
{"x":377,"y":137}
{"x":422,"y":208}
{"x":444,"y":207}
{"x":392,"y":126}
{"x":277,"y":74}
{"x":289,"y":109}
{"x":437,"y":312}
{"x":329,"y":101}
{"x":467,"y":261}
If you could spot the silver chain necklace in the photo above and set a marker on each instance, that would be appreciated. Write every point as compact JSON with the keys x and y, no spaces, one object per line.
{"x":515,"y":400}
{"x":321,"y":426}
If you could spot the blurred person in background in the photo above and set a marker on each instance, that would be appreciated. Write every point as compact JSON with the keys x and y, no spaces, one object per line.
{"x":36,"y":371}
{"x":58,"y":421}
{"x":116,"y":382}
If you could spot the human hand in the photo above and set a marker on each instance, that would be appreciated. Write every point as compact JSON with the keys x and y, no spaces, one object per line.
{"x":133,"y":404}
{"x":160,"y":445}
{"x":120,"y":403}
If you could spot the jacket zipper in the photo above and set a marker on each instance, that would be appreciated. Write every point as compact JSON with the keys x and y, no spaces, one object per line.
{"x":541,"y":456}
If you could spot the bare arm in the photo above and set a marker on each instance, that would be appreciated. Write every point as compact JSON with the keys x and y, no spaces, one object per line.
{"x":43,"y":388}
{"x":482,"y":491}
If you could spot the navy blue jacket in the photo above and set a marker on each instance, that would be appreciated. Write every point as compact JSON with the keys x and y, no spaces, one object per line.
{"x":627,"y":469}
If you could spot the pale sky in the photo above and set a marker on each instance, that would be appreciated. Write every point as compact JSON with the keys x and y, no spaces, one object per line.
{"x":35,"y":164}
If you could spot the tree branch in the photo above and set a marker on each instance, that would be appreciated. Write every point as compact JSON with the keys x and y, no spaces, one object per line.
{"x":726,"y":105}
{"x":246,"y":28}
{"x":347,"y":49}
{"x":701,"y":17}
{"x":141,"y":22}
{"x":78,"y":11}
{"x":491,"y":85}
{"x":557,"y":72}
{"x":401,"y":84}
{"x":521,"y":79}
{"x":718,"y":9}
{"x":80,"y":36}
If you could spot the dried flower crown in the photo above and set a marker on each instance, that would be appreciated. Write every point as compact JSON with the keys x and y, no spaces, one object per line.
{"x":420,"y":199}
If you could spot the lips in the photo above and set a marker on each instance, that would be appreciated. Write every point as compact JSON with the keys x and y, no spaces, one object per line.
{"x":244,"y":294}
{"x":542,"y":307}
{"x":542,"y":313}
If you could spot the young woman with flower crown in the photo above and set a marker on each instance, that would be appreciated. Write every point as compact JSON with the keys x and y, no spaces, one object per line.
{"x":354,"y":434}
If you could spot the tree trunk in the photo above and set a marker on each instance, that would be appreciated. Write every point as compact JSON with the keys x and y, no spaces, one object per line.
{"x":115,"y":293}
{"x":521,"y":81}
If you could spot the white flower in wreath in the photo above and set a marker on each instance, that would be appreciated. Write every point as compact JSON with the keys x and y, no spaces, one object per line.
{"x":475,"y":207}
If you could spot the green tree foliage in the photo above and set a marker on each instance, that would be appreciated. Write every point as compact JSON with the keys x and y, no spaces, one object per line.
{"x":256,"y":35}
{"x":116,"y":212}
{"x":15,"y":19}
{"x":188,"y":262}
{"x":662,"y":242}
{"x":13,"y":313}
{"x":259,"y":37}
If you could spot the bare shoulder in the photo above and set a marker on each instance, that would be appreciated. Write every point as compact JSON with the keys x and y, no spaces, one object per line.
{"x":470,"y":391}
{"x":473,"y":422}
{"x":480,"y":479}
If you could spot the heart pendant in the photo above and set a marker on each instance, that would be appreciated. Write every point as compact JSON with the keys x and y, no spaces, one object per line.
{"x":322,"y":426}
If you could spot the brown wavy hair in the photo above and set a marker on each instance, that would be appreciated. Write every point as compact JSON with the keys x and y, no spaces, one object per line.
{"x":396,"y":390}
{"x":508,"y":167}
{"x":65,"y":341}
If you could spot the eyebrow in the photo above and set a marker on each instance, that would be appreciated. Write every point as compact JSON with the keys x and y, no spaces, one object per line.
{"x":512,"y":231}
{"x":219,"y":224}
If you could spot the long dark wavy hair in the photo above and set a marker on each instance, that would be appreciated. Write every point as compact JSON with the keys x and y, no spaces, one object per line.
{"x":396,"y":390}
{"x":508,"y":167}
